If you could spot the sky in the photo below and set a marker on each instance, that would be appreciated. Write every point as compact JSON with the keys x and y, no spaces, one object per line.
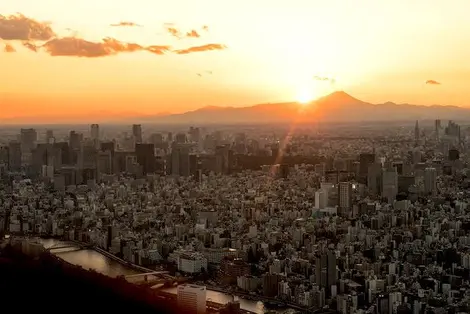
{"x":127,"y":58}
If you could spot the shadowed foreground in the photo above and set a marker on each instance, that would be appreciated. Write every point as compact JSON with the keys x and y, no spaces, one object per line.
{"x":48,"y":285}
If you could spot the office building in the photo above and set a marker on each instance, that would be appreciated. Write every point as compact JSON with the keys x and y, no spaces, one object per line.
{"x":181,"y":138}
{"x":191,"y":299}
{"x":454,"y":155}
{"x":145,"y":154}
{"x":345,"y":196}
{"x":50,"y":137}
{"x":180,"y":160}
{"x":28,"y":140}
{"x":75,"y":140}
{"x":137,"y":133}
{"x":430,"y":181}
{"x":365,"y":160}
{"x":95,"y":132}
{"x":14,"y":156}
{"x":389,"y":184}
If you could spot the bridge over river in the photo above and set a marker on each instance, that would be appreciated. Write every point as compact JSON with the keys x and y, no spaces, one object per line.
{"x":89,"y":258}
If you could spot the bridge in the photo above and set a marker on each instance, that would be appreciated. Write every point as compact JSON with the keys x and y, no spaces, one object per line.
{"x":72,"y":247}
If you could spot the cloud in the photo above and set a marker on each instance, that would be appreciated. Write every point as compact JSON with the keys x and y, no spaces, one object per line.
{"x":206,"y":72}
{"x":174,"y":32}
{"x":158,"y":50}
{"x":324,"y":79}
{"x":207,"y":47}
{"x":193,"y":34}
{"x":321,"y":78}
{"x":432,"y":82}
{"x":9,"y":48}
{"x":126,"y":24}
{"x":19,"y":27}
{"x":31,"y":46}
{"x":77,"y":47}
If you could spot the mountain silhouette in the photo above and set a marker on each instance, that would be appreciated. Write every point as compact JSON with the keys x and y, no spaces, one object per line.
{"x":336,"y":107}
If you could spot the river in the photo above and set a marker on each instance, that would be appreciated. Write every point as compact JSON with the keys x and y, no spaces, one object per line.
{"x":90,"y":259}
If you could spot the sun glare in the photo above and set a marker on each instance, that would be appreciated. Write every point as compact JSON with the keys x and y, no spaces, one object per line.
{"x":305,"y":96}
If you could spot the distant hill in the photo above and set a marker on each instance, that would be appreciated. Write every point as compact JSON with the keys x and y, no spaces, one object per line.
{"x":336,"y":107}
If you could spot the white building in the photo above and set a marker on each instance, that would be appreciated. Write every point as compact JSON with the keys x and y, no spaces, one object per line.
{"x":192,"y":299}
{"x":321,"y":199}
{"x":192,"y":263}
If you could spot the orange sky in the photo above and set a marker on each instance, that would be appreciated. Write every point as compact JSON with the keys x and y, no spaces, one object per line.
{"x":226,"y":53}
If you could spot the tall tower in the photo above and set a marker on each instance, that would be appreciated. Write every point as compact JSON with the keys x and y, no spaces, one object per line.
{"x":437,"y":128}
{"x":137,"y":133}
{"x":95,"y":132}
{"x":430,"y":181}
{"x":417,"y":132}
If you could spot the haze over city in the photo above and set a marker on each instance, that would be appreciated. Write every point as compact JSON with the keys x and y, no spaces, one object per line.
{"x":122,"y":59}
{"x":235,"y":157}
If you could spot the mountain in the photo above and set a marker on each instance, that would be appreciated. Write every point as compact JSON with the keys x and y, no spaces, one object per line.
{"x":336,"y":107}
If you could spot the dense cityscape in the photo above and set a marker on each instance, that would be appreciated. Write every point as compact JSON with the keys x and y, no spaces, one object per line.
{"x":343,"y":218}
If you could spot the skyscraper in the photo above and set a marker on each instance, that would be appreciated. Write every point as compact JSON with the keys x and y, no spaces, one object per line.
{"x":50,"y":137}
{"x":180,"y":161}
{"x":14,"y":156}
{"x":29,"y":138}
{"x":430,"y":180}
{"x":137,"y":133}
{"x":145,"y":154}
{"x":437,"y":129}
{"x":365,"y":160}
{"x":416,"y":132}
{"x":75,"y":140}
{"x":95,"y":132}
{"x":390,"y":183}
{"x":345,"y":195}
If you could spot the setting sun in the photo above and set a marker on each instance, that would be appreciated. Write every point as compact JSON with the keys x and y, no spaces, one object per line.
{"x":305,"y":96}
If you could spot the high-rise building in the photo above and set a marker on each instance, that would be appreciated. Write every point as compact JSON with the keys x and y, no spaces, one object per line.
{"x":145,"y":154}
{"x":194,"y":134}
{"x":416,"y":131}
{"x":437,"y":129}
{"x":180,"y":160}
{"x":4,"y":156}
{"x":345,"y":196}
{"x":181,"y":138}
{"x":137,"y":133}
{"x":222,"y":159}
{"x":430,"y":180}
{"x":192,"y":299}
{"x":321,"y":199}
{"x":50,"y":137}
{"x":326,"y":273}
{"x":454,"y":154}
{"x":390,"y":183}
{"x":14,"y":156}
{"x":365,"y":160}
{"x":29,"y":138}
{"x":75,"y":140}
{"x":320,"y":169}
{"x":95,"y":132}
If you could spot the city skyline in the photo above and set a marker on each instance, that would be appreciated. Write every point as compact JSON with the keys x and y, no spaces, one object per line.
{"x":164,"y":59}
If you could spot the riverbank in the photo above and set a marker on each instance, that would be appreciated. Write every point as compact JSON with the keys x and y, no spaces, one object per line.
{"x":42,"y":280}
{"x":113,"y":266}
